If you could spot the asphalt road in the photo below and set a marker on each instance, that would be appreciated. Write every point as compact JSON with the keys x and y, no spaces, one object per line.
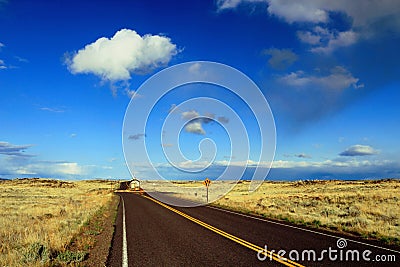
{"x":160,"y":235}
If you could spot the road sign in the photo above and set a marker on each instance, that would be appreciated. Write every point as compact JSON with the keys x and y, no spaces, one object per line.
{"x":207,"y":182}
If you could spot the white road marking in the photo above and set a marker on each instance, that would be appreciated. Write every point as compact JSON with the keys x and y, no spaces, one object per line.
{"x":302,"y":229}
{"x":124,"y":243}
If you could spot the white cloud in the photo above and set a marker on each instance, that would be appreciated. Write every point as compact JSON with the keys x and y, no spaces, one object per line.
{"x":125,"y":53}
{"x":195,"y":68}
{"x":54,"y":110}
{"x":297,"y":11}
{"x":131,"y":93}
{"x":3,"y":65}
{"x":188,"y":115}
{"x":47,"y":169}
{"x":70,"y":168}
{"x":308,"y":37}
{"x":362,"y":12}
{"x":228,"y":4}
{"x":338,"y":79}
{"x":286,"y":164}
{"x":368,"y":18}
{"x":342,"y":39}
{"x":359,"y":150}
{"x":195,"y":127}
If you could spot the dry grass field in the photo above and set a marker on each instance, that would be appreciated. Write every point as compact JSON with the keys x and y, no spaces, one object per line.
{"x":39,"y":218}
{"x":367,"y":208}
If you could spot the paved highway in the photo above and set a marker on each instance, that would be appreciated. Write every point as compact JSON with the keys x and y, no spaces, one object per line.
{"x":150,"y":233}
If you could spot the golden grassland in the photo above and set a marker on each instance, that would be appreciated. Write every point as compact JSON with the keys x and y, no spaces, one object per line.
{"x":39,"y":218}
{"x":368,"y":208}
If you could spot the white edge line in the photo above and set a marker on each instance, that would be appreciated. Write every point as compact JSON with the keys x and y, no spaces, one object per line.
{"x":302,"y":229}
{"x":124,"y":243}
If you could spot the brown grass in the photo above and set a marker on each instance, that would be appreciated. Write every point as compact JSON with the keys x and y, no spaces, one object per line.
{"x":40,"y":217}
{"x":366,"y":208}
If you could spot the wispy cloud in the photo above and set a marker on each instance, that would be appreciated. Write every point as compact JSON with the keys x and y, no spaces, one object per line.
{"x":54,"y":110}
{"x":20,"y":59}
{"x":2,"y":64}
{"x":223,"y":119}
{"x":136,"y":136}
{"x":338,"y":79}
{"x":14,"y":150}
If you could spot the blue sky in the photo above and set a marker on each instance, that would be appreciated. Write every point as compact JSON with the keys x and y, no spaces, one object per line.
{"x":329,"y":70}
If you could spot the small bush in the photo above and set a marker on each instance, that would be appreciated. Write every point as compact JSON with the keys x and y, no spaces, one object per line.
{"x":72,"y":256}
{"x":37,"y":252}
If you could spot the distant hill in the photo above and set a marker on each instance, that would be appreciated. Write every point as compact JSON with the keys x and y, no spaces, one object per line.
{"x":3,"y":179}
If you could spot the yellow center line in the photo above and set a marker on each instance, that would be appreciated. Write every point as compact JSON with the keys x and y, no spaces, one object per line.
{"x":236,"y":239}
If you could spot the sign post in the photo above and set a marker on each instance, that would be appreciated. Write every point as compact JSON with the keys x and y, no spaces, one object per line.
{"x":207,"y":183}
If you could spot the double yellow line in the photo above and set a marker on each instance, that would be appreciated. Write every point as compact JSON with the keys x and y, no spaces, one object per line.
{"x":238,"y":240}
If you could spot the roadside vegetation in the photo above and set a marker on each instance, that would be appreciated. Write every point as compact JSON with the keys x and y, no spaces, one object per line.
{"x":370,"y":209}
{"x":47,"y":222}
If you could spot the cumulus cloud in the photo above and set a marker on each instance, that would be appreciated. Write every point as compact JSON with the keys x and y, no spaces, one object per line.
{"x":297,"y":11}
{"x":359,"y":150}
{"x":191,"y":114}
{"x":195,"y":127}
{"x":334,"y":41}
{"x":366,"y":19}
{"x":114,"y":59}
{"x":309,"y":37}
{"x":280,"y":58}
{"x":14,"y":150}
{"x":317,"y":11}
{"x":196,"y":121}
